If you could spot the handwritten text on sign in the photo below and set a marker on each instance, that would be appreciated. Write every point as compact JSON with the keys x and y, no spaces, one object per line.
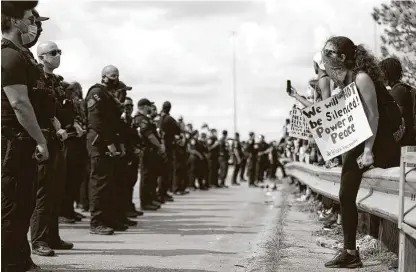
{"x":338,"y":123}
{"x":298,"y":125}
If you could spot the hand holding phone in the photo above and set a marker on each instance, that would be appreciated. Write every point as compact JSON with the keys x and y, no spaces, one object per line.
{"x":288,"y":87}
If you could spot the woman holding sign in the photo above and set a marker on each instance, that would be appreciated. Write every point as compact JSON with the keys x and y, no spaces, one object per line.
{"x":348,"y":63}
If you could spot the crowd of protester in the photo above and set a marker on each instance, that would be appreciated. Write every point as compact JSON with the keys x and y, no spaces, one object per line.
{"x":390,"y":107}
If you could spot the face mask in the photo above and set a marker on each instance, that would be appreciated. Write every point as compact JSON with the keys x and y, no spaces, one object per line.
{"x":53,"y":61}
{"x":112,"y":82}
{"x":29,"y":36}
{"x":335,"y":70}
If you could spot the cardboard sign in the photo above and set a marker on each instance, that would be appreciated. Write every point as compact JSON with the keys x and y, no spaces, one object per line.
{"x":298,"y":125}
{"x":338,"y":123}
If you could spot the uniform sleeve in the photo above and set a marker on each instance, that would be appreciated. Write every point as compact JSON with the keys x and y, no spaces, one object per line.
{"x":401,"y":95}
{"x":97,"y":117}
{"x":13,"y":68}
{"x":145,"y":127}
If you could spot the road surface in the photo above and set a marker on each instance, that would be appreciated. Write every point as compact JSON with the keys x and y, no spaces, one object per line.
{"x":215,"y":230}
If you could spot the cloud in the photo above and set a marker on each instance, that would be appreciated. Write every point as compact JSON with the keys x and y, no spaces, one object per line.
{"x":182,"y":51}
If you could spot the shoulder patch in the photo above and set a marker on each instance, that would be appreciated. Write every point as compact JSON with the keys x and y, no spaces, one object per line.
{"x":96,"y":97}
{"x":91,"y":103}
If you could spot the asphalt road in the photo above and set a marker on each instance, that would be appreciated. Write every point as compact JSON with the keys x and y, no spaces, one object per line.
{"x":215,"y":230}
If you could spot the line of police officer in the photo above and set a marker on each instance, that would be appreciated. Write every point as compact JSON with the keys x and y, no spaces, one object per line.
{"x":49,"y":135}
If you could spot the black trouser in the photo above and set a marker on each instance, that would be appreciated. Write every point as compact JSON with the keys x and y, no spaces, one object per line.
{"x":119,"y":190}
{"x":49,"y":193}
{"x":130,"y":176}
{"x":251,"y":170}
{"x":260,"y":167}
{"x":237,"y":167}
{"x":102,"y":179}
{"x":166,"y":172}
{"x":84,"y":192}
{"x":75,"y":164}
{"x":213,"y":167}
{"x":351,"y":177}
{"x":149,"y":172}
{"x":223,"y":165}
{"x":243,"y":168}
{"x":18,"y":177}
{"x":180,"y":180}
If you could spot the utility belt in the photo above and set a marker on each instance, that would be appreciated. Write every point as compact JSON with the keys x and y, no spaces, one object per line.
{"x":11,"y":133}
{"x":49,"y":134}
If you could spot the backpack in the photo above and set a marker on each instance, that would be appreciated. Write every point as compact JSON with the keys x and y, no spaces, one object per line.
{"x":389,"y":113}
{"x":412,"y":91}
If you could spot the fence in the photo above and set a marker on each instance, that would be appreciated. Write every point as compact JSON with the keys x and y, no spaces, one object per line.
{"x":380,"y":195}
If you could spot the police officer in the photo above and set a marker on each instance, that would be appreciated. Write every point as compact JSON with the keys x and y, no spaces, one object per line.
{"x":131,"y":160}
{"x":169,"y":129}
{"x":243,"y":162}
{"x":76,"y":152}
{"x":180,"y":177}
{"x":262,"y":158}
{"x":49,"y":95}
{"x":158,"y":187}
{"x":103,"y":113}
{"x":224,"y":156}
{"x":22,"y":139}
{"x":213,"y":153}
{"x":237,"y":158}
{"x":252,"y":150}
{"x":152,"y":152}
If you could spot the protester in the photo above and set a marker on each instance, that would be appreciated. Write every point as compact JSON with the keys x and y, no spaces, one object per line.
{"x":345,"y":63}
{"x":404,"y":95}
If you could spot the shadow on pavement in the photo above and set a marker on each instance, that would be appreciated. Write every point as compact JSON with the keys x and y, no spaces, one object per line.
{"x":73,"y":267}
{"x":144,"y":252}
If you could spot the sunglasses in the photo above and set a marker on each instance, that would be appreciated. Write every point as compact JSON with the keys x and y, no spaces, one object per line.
{"x":328,"y":52}
{"x":54,"y":52}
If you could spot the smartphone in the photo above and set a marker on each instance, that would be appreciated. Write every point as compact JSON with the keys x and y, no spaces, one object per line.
{"x":288,"y":87}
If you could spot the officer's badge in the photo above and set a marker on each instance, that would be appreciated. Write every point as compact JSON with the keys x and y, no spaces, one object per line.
{"x":91,"y":103}
{"x":96,"y":97}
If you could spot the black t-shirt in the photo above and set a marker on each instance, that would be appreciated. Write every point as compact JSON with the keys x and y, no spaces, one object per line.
{"x":403,"y":97}
{"x":14,"y":71}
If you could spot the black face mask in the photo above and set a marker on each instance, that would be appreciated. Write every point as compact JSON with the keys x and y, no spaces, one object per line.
{"x":112,"y":83}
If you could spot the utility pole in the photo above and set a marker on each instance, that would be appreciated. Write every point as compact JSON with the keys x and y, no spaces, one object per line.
{"x":233,"y":33}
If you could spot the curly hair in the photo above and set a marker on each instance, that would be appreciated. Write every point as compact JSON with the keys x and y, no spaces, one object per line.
{"x":74,"y":87}
{"x":358,"y":58}
{"x":392,"y":69}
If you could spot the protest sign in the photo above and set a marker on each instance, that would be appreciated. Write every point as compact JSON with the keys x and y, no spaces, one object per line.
{"x":298,"y":125}
{"x":338,"y":123}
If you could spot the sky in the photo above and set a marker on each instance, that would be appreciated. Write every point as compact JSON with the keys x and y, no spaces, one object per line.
{"x":182,"y":51}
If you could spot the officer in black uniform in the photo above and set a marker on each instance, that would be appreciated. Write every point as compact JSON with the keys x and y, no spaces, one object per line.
{"x":169,"y":128}
{"x":262,"y":161}
{"x":76,"y":152}
{"x":238,"y":155}
{"x":252,"y":150}
{"x":22,"y":139}
{"x":243,"y":161}
{"x":103,"y":113}
{"x":49,"y":97}
{"x":152,"y":152}
{"x":213,"y":153}
{"x":224,"y":156}
{"x":180,"y":177}
{"x":131,"y":160}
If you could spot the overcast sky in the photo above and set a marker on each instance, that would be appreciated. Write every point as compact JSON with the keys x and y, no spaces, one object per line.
{"x":181,"y":51}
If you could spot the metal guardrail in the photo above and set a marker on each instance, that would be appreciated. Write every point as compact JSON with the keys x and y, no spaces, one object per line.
{"x":378,"y":194}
